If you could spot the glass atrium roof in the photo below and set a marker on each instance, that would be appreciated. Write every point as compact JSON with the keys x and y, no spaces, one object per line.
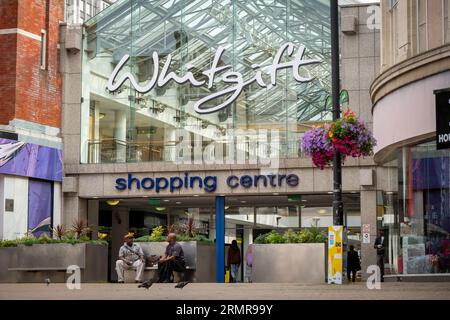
{"x":254,"y":29}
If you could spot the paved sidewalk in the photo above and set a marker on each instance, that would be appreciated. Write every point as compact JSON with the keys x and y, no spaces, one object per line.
{"x":390,"y":291}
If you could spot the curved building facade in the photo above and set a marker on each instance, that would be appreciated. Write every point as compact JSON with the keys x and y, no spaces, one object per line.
{"x":415,"y":62}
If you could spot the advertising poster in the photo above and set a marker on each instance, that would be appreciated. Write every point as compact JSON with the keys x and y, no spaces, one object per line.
{"x":335,"y":251}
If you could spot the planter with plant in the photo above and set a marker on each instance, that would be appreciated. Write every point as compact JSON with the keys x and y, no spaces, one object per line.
{"x":51,"y":256}
{"x":290,"y":257}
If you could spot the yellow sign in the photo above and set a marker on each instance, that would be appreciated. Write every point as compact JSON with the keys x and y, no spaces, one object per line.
{"x":335,"y":252}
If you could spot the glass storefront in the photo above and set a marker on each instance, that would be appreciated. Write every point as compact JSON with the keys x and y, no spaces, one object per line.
{"x":127,"y":126}
{"x":418,"y":224}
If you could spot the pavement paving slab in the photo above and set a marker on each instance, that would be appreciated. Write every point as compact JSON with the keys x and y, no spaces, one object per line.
{"x":212,"y":291}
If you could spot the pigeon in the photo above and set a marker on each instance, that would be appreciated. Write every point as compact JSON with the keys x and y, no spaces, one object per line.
{"x":146,"y":284}
{"x":47,"y":281}
{"x":181,"y":285}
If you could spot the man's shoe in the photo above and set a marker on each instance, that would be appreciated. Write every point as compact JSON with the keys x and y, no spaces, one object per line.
{"x":120,"y":281}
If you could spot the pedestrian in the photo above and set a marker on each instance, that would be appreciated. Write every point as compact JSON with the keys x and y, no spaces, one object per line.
{"x":249,"y":263}
{"x":234,"y":260}
{"x":172,"y":261}
{"x":131,"y":256}
{"x":380,"y":244}
{"x":353,"y":264}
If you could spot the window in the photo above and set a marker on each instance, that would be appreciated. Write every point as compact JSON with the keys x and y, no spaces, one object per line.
{"x":43,"y":59}
{"x":393,"y":3}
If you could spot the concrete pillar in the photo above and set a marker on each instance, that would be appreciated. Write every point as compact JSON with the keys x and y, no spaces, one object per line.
{"x":120,"y":227}
{"x":247,"y":239}
{"x":368,"y":216}
{"x":120,"y":135}
{"x":74,"y":209}
{"x":96,"y":135}
{"x":169,"y":144}
{"x":92,"y":215}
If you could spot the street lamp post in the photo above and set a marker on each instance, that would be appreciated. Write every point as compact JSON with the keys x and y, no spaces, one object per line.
{"x":338,"y":206}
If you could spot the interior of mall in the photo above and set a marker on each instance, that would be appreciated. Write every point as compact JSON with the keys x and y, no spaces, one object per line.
{"x":246,"y":217}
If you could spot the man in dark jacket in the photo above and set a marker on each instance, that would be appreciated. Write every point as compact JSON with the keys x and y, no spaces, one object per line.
{"x":353,"y":264}
{"x":380,"y":244}
{"x":172,"y":261}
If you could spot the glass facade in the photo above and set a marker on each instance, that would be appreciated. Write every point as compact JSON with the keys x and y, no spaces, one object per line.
{"x":419,"y":226}
{"x":127,"y":126}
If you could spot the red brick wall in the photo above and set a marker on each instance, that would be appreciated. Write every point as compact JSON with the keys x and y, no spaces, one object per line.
{"x":26,"y":91}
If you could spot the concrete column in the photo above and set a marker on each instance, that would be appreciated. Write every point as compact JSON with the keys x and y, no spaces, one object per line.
{"x":92,"y":215}
{"x":120,"y":227}
{"x":96,"y":132}
{"x":169,"y":144}
{"x":247,"y":239}
{"x":74,"y":209}
{"x":120,"y":133}
{"x":368,"y":216}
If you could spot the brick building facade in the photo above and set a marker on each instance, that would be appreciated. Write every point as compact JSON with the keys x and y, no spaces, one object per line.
{"x":30,"y":115}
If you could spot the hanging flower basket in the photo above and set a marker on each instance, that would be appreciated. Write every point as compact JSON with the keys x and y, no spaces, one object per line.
{"x":316,"y":145}
{"x":347,"y":135}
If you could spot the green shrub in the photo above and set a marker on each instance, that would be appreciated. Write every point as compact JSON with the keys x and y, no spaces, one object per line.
{"x":157,"y":232}
{"x":310,"y":235}
{"x":274,"y":237}
{"x":8,"y":243}
{"x":261,"y":239}
{"x":291,"y":236}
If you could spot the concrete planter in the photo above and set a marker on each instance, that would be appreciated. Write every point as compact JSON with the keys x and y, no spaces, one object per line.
{"x":289,"y":263}
{"x":200,"y":258}
{"x":40,"y":261}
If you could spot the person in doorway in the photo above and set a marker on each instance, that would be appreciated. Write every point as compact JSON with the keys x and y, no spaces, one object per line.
{"x":380,"y":244}
{"x":131,"y":256}
{"x":249,"y":263}
{"x":353,"y":264}
{"x":234,"y":260}
{"x":173,"y":260}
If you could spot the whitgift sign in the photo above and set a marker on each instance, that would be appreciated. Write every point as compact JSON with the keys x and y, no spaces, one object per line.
{"x":235,"y":79}
{"x":208,"y":184}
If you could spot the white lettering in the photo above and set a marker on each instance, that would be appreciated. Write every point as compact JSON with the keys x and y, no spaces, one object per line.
{"x":163,"y":77}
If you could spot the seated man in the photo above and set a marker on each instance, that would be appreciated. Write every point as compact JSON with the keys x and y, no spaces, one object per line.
{"x":131,"y":256}
{"x":173,"y":260}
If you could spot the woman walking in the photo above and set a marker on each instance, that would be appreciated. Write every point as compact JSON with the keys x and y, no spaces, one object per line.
{"x":234,"y":260}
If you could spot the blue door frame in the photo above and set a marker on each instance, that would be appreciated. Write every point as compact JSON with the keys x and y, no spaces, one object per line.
{"x":220,"y":239}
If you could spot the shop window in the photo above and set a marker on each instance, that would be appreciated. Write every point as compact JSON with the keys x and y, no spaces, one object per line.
{"x":424,"y":210}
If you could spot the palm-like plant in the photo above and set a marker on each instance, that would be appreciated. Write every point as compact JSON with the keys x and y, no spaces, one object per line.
{"x":59,"y":232}
{"x":80,"y":228}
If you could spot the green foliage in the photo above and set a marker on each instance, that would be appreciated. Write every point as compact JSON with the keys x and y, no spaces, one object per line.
{"x":310,"y":235}
{"x":157,"y":232}
{"x":8,"y":243}
{"x":274,"y":237}
{"x":291,"y":237}
{"x":45,"y":239}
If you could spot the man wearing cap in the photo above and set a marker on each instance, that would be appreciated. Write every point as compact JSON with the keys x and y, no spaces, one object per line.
{"x":131,"y":256}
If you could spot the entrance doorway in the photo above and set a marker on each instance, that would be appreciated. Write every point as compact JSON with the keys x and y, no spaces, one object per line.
{"x":246,"y":218}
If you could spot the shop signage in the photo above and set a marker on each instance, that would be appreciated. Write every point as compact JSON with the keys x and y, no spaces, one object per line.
{"x":162,"y":77}
{"x":366,"y":233}
{"x":442,"y":119}
{"x":335,"y":252}
{"x":208,"y":183}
